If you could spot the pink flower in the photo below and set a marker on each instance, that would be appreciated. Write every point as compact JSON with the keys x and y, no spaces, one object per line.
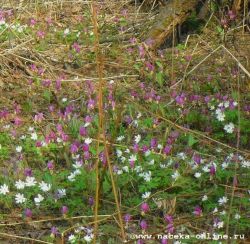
{"x":40,"y":34}
{"x":76,"y":47}
{"x":145,"y":208}
{"x":197,"y":211}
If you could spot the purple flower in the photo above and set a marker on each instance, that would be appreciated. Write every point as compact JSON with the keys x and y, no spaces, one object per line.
{"x":40,"y":34}
{"x":212,"y":170}
{"x":127,"y":218}
{"x":85,"y":147}
{"x":82,"y":131}
{"x":167,"y":150}
{"x":28,"y":172}
{"x":170,"y":228}
{"x":64,"y":210}
{"x":168,"y":218}
{"x":76,"y":47}
{"x":136,"y":148}
{"x":153,"y":143}
{"x":32,"y":22}
{"x":141,"y":51}
{"x":197,"y":211}
{"x":50,"y":165}
{"x":54,"y":231}
{"x":145,"y":208}
{"x":197,"y":158}
{"x":28,"y":213}
{"x":91,"y":201}
{"x":73,"y":148}
{"x":143,"y":225}
{"x":180,"y":99}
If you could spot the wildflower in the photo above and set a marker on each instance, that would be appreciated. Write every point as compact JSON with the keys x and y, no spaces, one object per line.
{"x":88,"y":238}
{"x":4,"y":189}
{"x":167,"y":150}
{"x":76,"y":47}
{"x":197,"y":211}
{"x":144,"y":208}
{"x":220,"y":115}
{"x":72,"y":238}
{"x":30,"y":181}
{"x":120,"y":138}
{"x":27,"y":213}
{"x":50,"y":165}
{"x":222,"y":200}
{"x":127,"y":218}
{"x":143,"y":225}
{"x":88,"y":141}
{"x":82,"y":131}
{"x":175,"y":175}
{"x":64,"y":210}
{"x":66,"y":32}
{"x":40,"y":34}
{"x":54,"y":231}
{"x":20,"y":198}
{"x":204,"y":198}
{"x":137,"y":138}
{"x":237,"y":216}
{"x":44,"y":186}
{"x":61,"y":193}
{"x":229,"y":128}
{"x":38,"y":199}
{"x":19,"y":149}
{"x":64,"y":100}
{"x":20,"y":184}
{"x":197,"y":174}
{"x":245,"y":164}
{"x":34,"y":136}
{"x":212,"y":170}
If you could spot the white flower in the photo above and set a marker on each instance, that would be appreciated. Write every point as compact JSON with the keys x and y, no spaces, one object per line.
{"x":30,"y":181}
{"x":137,"y":138}
{"x":159,"y":146}
{"x":152,"y":162}
{"x":38,"y":199}
{"x":223,"y":212}
{"x":111,"y":82}
{"x":215,"y":210}
{"x":147,"y":153}
{"x":44,"y":186}
{"x":58,"y":140}
{"x":224,"y":165}
{"x":119,"y":172}
{"x":219,"y":115}
{"x":72,"y":238}
{"x":119,"y":153}
{"x":206,"y":169}
{"x":61,"y":192}
{"x":204,"y":198}
{"x":71,"y":177}
{"x":219,"y":225}
{"x":19,"y":149}
{"x":4,"y":189}
{"x":34,"y":136}
{"x":64,"y":100}
{"x":147,"y":176}
{"x":222,"y":200}
{"x":120,"y":138}
{"x":133,"y":158}
{"x":226,"y":104}
{"x":138,"y":169}
{"x":139,"y":115}
{"x":77,"y":164}
{"x":88,"y":238}
{"x":127,"y":150}
{"x":66,"y":31}
{"x":23,"y":137}
{"x":20,"y":198}
{"x":30,"y":129}
{"x":77,"y":172}
{"x":20,"y":184}
{"x":125,"y":168}
{"x":182,"y":155}
{"x":146,"y":195}
{"x":229,"y":128}
{"x":163,"y":166}
{"x":175,"y":175}
{"x":88,"y":141}
{"x":237,"y":216}
{"x":197,"y":174}
{"x":245,"y":164}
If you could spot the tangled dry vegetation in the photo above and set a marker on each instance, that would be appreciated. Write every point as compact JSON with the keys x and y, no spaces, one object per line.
{"x":117,"y":135}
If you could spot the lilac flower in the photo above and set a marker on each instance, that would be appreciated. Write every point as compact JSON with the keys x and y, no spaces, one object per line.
{"x":85,"y":147}
{"x":141,"y":51}
{"x":127,"y":218}
{"x":40,"y":34}
{"x":64,"y":210}
{"x":153,"y":143}
{"x":91,"y":104}
{"x":46,"y":83}
{"x":212,"y":170}
{"x":197,"y":211}
{"x":82,"y":131}
{"x":232,"y":15}
{"x":143,"y":225}
{"x":39,"y":117}
{"x":58,"y":84}
{"x":170,"y":228}
{"x":144,"y":208}
{"x":73,"y":148}
{"x":180,"y":99}
{"x":50,"y":165}
{"x":28,"y":213}
{"x":28,"y":172}
{"x":54,"y":231}
{"x":167,"y":149}
{"x":76,"y":47}
{"x":197,"y":158}
{"x":168,"y":218}
{"x":136,"y":148}
{"x":32,"y":22}
{"x":149,"y":66}
{"x":91,"y":201}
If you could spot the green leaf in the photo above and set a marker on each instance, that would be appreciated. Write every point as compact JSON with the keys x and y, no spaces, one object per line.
{"x":159,"y":78}
{"x":191,"y":140}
